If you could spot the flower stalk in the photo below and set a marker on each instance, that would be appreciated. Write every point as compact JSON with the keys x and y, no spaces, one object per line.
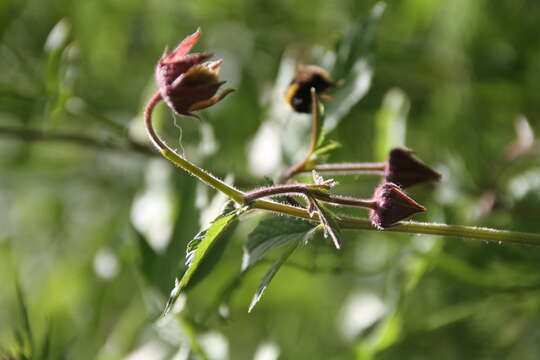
{"x":346,"y":223}
{"x":375,"y":168}
{"x":187,"y":85}
{"x":309,"y":190}
{"x":316,"y":127}
{"x":401,"y":168}
{"x":183,"y":163}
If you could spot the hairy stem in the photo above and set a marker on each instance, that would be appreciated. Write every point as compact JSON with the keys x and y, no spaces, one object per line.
{"x":411,"y":227}
{"x":316,"y":127}
{"x":183,"y":163}
{"x":308,"y":189}
{"x":348,"y":168}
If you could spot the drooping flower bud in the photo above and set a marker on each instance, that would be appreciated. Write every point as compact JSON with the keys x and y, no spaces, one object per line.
{"x":392,"y":205}
{"x":184,"y":83}
{"x":404,"y":169}
{"x":298,"y":94}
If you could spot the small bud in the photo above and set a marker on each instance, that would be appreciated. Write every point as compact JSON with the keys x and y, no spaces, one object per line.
{"x":404,"y":169}
{"x":392,"y":205}
{"x":185,"y":84}
{"x":298,"y":94}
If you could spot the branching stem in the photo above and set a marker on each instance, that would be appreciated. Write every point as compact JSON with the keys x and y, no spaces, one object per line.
{"x":308,"y":189}
{"x":412,"y":227}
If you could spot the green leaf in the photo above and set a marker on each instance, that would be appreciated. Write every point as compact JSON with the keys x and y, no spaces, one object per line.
{"x":387,"y":333}
{"x":191,"y":331}
{"x":391,"y":123}
{"x":270,"y":234}
{"x":160,"y":269}
{"x":354,"y":66}
{"x":270,"y":274}
{"x":327,"y":147}
{"x":328,"y":220}
{"x":148,"y":257}
{"x":347,"y":96}
{"x":358,"y":42}
{"x":199,"y":248}
{"x":27,"y":333}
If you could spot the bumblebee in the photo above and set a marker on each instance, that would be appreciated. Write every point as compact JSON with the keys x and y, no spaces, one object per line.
{"x":298,"y":94}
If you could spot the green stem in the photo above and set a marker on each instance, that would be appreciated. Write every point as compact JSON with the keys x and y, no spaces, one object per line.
{"x":183,"y":163}
{"x":411,"y":227}
{"x":308,"y":189}
{"x":316,"y":125}
{"x":315,"y":133}
{"x":349,"y":168}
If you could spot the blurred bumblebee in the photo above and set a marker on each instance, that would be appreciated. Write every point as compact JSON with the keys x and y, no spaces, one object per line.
{"x":298,"y":94}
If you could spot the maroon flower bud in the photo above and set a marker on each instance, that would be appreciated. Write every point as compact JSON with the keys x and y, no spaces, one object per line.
{"x":298,"y":93}
{"x":404,"y":169}
{"x":184,"y":83}
{"x":392,"y":205}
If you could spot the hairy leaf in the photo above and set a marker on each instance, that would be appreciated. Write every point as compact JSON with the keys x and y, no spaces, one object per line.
{"x":199,"y":248}
{"x":270,"y":234}
{"x":328,"y":221}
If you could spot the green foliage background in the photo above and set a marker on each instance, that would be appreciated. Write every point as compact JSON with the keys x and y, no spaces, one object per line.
{"x":94,"y":278}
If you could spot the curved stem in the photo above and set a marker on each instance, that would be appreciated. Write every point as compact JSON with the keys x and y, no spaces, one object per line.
{"x":148,"y":111}
{"x":292,"y":189}
{"x":411,"y":227}
{"x":183,"y":163}
{"x":308,"y":189}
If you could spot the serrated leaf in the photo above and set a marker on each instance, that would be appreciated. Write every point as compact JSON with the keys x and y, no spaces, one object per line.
{"x":317,"y":178}
{"x":328,"y":221}
{"x":310,"y":234}
{"x":267,"y":278}
{"x":198,"y":249}
{"x":270,"y":234}
{"x":320,"y":184}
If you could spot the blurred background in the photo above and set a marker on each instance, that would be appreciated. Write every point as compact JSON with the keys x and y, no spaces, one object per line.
{"x":93,"y":225}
